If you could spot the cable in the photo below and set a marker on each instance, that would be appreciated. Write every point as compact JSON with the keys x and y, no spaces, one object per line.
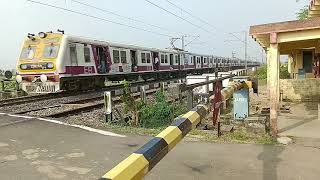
{"x":178,"y":16}
{"x":192,"y":41}
{"x":125,"y":17}
{"x":99,"y":18}
{"x":188,"y":12}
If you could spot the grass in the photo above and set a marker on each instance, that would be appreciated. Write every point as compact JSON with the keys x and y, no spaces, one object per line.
{"x":238,"y":136}
{"x":243,"y":136}
{"x":8,"y":85}
{"x":134,"y":130}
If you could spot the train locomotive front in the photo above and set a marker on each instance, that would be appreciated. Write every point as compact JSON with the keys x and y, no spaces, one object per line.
{"x":38,"y":64}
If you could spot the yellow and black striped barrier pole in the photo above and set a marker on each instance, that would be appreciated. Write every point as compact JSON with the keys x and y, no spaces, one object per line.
{"x":139,"y":163}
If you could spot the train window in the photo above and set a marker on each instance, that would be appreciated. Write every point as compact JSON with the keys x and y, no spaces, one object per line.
{"x":205,"y":60}
{"x":28,"y":53}
{"x":162,"y":58}
{"x":50,"y":51}
{"x":73,"y":54}
{"x":116,"y":56}
{"x":143,"y":57}
{"x":123,"y":56}
{"x":166,"y":59}
{"x":148,"y":58}
{"x":191,"y":60}
{"x":86,"y":51}
{"x":177,"y":59}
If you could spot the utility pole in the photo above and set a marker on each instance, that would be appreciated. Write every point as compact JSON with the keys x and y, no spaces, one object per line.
{"x":182,"y":42}
{"x":246,"y":49}
{"x":262,"y":57}
{"x":245,"y":42}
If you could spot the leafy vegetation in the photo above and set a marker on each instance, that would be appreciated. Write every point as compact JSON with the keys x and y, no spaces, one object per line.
{"x":262,"y":72}
{"x":303,"y":12}
{"x":155,"y":115}
{"x":130,"y":104}
{"x":161,"y":113}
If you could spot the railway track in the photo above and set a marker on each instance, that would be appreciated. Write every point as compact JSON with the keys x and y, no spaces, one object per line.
{"x":25,"y":99}
{"x":35,"y":98}
{"x":75,"y":107}
{"x":65,"y":104}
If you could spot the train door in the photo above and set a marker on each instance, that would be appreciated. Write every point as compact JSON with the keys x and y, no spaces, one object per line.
{"x":201,"y":61}
{"x":171,"y":60}
{"x":73,"y":57}
{"x":134,"y":60}
{"x":195,"y":61}
{"x":155,"y":60}
{"x":102,"y":58}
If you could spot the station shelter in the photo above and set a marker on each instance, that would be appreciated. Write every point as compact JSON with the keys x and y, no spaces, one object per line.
{"x":300,"y":41}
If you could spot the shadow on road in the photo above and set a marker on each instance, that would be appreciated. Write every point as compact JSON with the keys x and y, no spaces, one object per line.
{"x":304,"y":121}
{"x":270,"y":159}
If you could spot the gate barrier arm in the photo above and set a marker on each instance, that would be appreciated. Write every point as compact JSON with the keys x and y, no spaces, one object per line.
{"x":139,"y":163}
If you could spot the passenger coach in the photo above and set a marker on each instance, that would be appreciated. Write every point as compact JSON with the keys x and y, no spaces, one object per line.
{"x":49,"y":60}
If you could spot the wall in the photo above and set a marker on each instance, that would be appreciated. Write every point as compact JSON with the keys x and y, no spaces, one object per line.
{"x":300,"y":89}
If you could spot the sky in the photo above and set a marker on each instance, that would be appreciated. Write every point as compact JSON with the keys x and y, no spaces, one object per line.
{"x":211,"y":20}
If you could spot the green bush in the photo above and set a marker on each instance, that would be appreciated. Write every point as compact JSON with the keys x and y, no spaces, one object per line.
{"x":161,"y":113}
{"x":262,"y":72}
{"x":284,"y":73}
{"x":157,"y":114}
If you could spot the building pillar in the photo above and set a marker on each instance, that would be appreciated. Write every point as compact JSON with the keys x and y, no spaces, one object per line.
{"x":274,"y":88}
{"x":268,"y":72}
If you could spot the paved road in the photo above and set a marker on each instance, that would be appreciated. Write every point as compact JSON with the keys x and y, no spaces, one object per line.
{"x":303,"y":121}
{"x":33,"y":149}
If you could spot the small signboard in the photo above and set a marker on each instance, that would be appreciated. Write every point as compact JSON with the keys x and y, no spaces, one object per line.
{"x":241,"y":104}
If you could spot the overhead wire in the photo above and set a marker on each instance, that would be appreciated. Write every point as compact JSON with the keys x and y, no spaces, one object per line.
{"x":125,"y":17}
{"x":186,"y":20}
{"x":189,"y":13}
{"x":98,"y":18}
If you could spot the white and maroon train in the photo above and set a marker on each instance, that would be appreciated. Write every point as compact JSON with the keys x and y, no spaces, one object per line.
{"x":50,"y":62}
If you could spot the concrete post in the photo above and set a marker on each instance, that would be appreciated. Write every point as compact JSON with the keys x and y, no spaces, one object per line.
{"x":162,"y":87}
{"x":143,"y":94}
{"x":273,"y":71}
{"x":2,"y":85}
{"x":180,"y":93}
{"x":207,"y":86}
{"x":190,"y":99}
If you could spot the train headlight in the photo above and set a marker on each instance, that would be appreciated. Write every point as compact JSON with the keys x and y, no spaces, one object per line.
{"x":23,"y":66}
{"x":50,"y":65}
{"x":43,"y":78}
{"x":42,"y":35}
{"x":18,"y":78}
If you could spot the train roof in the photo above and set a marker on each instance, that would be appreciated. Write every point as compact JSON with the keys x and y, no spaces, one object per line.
{"x":120,"y":45}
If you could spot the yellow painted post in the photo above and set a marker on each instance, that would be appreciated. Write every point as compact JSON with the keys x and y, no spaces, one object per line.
{"x":273,"y":71}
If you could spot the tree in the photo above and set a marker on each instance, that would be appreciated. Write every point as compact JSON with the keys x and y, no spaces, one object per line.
{"x":303,"y":12}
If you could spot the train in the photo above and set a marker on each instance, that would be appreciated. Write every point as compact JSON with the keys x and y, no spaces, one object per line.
{"x":54,"y":61}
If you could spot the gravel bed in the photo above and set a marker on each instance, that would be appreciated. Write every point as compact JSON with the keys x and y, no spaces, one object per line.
{"x":64,"y":107}
{"x":48,"y":102}
{"x":94,"y":119}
